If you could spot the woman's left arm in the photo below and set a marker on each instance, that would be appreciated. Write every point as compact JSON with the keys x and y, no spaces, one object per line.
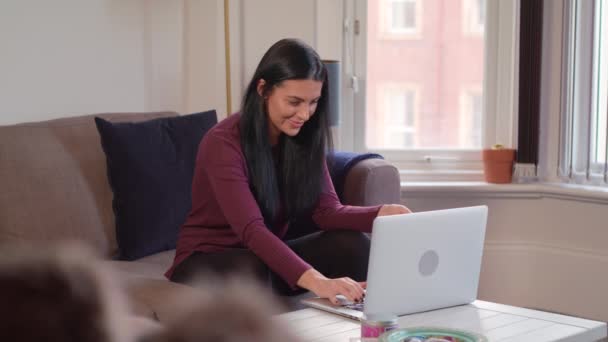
{"x":393,"y":209}
{"x":331,"y":214}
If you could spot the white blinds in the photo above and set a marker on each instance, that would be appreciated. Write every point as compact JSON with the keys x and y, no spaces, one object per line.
{"x":584,"y":124}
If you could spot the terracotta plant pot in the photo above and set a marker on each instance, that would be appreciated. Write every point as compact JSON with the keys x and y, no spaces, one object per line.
{"x":498,"y":164}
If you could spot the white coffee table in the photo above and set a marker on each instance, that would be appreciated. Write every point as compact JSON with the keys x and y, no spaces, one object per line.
{"x":496,"y":321}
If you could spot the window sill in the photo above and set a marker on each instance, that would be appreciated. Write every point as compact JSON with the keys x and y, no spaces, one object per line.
{"x":440,"y":176}
{"x":513,"y":190}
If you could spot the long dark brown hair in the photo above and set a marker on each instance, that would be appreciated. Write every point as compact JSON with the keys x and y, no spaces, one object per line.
{"x":298,"y":181}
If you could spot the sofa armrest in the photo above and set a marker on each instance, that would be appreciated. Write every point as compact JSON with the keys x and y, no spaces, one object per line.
{"x":372,"y":182}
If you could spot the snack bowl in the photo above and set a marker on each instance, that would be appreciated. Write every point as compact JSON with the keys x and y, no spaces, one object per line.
{"x":431,"y":334}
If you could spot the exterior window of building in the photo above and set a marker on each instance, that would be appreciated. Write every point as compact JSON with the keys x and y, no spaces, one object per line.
{"x":471,"y":118}
{"x":417,"y":86}
{"x":400,"y":118}
{"x":439,"y":65}
{"x":402,"y":14}
{"x":473,"y":15}
{"x":399,"y":19}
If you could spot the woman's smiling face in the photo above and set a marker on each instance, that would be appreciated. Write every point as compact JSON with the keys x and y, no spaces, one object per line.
{"x":289,"y":105}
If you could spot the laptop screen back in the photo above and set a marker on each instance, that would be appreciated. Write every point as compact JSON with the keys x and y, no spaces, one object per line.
{"x":424,"y":261}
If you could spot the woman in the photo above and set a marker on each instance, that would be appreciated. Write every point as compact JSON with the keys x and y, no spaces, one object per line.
{"x":261,"y":169}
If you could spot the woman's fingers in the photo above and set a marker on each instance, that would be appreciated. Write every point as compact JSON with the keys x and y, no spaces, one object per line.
{"x":359,"y":291}
{"x":351,"y":290}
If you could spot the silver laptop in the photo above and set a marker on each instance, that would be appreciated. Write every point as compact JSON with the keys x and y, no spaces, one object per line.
{"x":419,"y":262}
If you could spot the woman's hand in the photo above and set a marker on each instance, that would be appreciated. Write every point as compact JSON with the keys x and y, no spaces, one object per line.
{"x":324,"y":287}
{"x":393,"y":209}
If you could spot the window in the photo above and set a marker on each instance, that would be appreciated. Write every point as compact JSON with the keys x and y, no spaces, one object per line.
{"x":398,"y":108}
{"x":471,"y":116}
{"x":402,"y":16}
{"x":600,"y":123}
{"x":459,"y":105}
{"x":398,"y":19}
{"x":441,"y":63}
{"x":583,"y":152}
{"x":473,"y":16}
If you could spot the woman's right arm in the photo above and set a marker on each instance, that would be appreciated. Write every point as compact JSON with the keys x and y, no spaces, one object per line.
{"x":324,"y":287}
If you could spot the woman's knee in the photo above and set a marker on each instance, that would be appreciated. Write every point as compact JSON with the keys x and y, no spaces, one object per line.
{"x":350,"y":254}
{"x":220,"y":266}
{"x":350,"y":244}
{"x":349,"y":238}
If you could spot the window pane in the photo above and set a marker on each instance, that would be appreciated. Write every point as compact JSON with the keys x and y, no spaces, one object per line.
{"x":474,"y":120}
{"x":398,"y":123}
{"x":481,"y":12}
{"x":584,"y":121}
{"x":397,"y":13}
{"x":471,"y":119}
{"x":602,"y":105}
{"x":415,"y":83}
{"x":409,"y":14}
{"x":402,"y":14}
{"x":397,"y":111}
{"x":409,"y":105}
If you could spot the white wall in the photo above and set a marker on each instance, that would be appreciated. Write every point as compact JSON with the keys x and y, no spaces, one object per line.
{"x":256,"y":25}
{"x":70,"y":57}
{"x":204,"y":56}
{"x":162,"y":60}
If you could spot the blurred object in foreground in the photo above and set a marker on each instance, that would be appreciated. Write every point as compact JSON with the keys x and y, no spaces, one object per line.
{"x":233,"y":309}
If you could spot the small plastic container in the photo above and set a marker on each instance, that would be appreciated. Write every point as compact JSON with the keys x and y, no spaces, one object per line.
{"x":374,"y":325}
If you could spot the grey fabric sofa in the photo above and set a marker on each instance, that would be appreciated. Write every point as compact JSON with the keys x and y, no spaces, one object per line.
{"x":54,"y":186}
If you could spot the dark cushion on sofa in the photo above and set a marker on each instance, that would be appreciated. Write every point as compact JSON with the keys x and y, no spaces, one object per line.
{"x":150,"y":167}
{"x":341,"y":162}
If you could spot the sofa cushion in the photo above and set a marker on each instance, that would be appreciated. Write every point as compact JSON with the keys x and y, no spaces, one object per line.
{"x":158,"y":299}
{"x":340,"y":164}
{"x":153,"y":266}
{"x":150,"y":167}
{"x":53,"y":183}
{"x":141,"y":277}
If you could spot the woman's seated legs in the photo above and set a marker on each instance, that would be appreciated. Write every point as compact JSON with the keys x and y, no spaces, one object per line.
{"x":338,"y":253}
{"x":222,"y":264}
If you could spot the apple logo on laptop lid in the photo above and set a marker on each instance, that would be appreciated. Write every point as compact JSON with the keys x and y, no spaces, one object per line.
{"x":428,"y":263}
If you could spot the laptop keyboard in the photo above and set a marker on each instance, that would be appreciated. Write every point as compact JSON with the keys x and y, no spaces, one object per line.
{"x":351,"y":305}
{"x":355,"y":306}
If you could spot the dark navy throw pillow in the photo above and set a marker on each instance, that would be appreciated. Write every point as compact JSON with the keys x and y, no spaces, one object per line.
{"x":150,"y":169}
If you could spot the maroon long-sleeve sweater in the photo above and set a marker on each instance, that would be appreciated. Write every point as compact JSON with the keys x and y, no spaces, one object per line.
{"x":225,"y":215}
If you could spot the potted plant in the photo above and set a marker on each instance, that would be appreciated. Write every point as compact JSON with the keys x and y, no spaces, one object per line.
{"x":498,"y":164}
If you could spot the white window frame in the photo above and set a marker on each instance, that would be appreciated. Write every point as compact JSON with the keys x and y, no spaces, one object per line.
{"x":500,"y":97}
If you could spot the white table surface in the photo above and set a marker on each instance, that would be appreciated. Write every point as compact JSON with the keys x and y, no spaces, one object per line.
{"x":496,"y":321}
